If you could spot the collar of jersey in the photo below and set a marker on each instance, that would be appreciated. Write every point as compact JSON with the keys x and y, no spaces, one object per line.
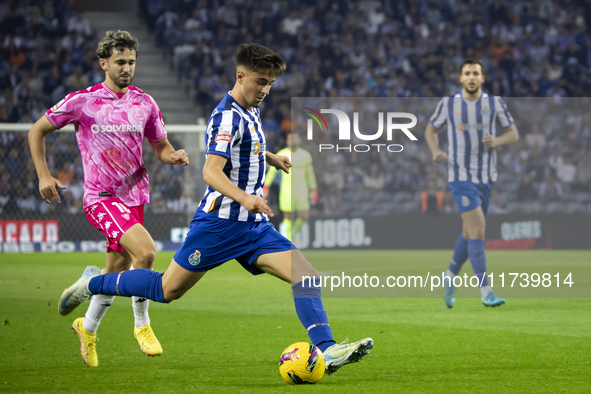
{"x":471,"y":102}
{"x":251,"y":112}
{"x":112,"y":93}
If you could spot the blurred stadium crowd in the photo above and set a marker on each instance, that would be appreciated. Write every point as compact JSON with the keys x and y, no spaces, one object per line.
{"x":548,"y":170}
{"x":341,"y":48}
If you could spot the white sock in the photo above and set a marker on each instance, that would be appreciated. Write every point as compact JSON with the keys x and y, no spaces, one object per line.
{"x":99,"y":304}
{"x":450,"y":274}
{"x":140,"y":309}
{"x":484,"y":291}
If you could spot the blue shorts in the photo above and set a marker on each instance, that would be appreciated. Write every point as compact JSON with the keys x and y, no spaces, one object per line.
{"x":212,"y":241}
{"x":469,"y":196}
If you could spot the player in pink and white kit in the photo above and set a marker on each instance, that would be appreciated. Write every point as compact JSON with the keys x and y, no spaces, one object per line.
{"x":111,"y":121}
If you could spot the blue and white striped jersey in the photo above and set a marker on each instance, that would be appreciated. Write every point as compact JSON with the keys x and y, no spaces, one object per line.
{"x":467,"y":122}
{"x":236,"y":134}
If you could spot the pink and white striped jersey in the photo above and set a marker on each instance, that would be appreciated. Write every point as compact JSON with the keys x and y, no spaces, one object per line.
{"x":110,"y":133}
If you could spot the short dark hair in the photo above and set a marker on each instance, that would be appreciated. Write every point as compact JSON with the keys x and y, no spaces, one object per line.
{"x":471,"y":61}
{"x":260,"y":58}
{"x":119,"y":40}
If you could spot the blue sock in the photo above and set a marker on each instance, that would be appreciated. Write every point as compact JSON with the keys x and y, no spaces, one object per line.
{"x":311,"y":313}
{"x":460,"y":255}
{"x":138,"y":282}
{"x":478,"y":259}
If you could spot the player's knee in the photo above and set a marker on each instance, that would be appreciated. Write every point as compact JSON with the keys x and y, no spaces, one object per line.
{"x":145,"y":259}
{"x":124,"y":266}
{"x":477,"y":233}
{"x":169,"y":297}
{"x":116,"y":265}
{"x":172,"y":294}
{"x":301,"y":268}
{"x":305,"y":274}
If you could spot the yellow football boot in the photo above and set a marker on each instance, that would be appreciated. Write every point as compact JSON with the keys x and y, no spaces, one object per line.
{"x":147,"y":340}
{"x":87,"y":343}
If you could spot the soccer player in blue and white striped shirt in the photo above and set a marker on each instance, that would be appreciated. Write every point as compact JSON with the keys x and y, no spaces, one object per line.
{"x":471,"y":163}
{"x":232,"y":219}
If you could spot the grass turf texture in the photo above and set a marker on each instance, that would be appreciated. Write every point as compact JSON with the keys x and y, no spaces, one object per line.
{"x":227,"y":333}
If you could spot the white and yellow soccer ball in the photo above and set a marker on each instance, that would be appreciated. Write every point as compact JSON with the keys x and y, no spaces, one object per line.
{"x":301,"y":363}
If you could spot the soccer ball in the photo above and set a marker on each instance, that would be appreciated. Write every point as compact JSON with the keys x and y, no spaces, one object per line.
{"x":301,"y":363}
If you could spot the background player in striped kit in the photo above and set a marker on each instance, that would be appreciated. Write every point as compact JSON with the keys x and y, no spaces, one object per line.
{"x":232,"y":219}
{"x":111,"y":120}
{"x":472,"y":157}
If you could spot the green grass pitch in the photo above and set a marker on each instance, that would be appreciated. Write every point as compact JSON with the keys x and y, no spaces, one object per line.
{"x":227,"y":333}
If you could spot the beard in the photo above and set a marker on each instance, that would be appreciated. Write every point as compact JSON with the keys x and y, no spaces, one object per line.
{"x":120,"y":82}
{"x":471,"y":91}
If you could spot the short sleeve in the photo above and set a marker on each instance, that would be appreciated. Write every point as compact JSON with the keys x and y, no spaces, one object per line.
{"x":66,"y":111}
{"x":440,"y":115}
{"x":505,"y":117}
{"x":155,"y":131}
{"x":223,"y":129}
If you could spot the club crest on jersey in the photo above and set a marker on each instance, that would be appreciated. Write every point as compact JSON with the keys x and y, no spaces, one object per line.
{"x":465,"y":201}
{"x":485,"y":111}
{"x":195,"y":258}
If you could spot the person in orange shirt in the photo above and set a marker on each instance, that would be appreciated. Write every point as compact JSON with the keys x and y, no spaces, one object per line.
{"x":17,"y":56}
{"x":497,"y":49}
{"x":66,"y":174}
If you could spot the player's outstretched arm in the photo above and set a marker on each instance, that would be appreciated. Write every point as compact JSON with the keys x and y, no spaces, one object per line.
{"x":439,"y":156}
{"x":214,"y":176}
{"x":47,"y":183}
{"x":279,"y":162}
{"x":166,"y":153}
{"x":510,"y":136}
